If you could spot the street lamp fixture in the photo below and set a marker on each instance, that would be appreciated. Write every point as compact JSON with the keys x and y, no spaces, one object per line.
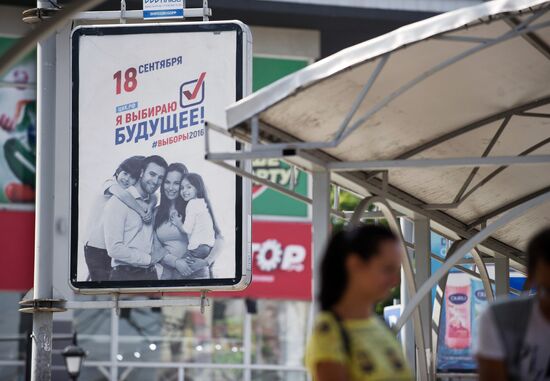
{"x":73,"y":355}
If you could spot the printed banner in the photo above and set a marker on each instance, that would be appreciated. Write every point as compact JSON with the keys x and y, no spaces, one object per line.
{"x":281,"y":261}
{"x":266,"y":201}
{"x":269,"y":202}
{"x":464,"y":299}
{"x":148,"y":210}
{"x":17,"y":130}
{"x":162,"y":9}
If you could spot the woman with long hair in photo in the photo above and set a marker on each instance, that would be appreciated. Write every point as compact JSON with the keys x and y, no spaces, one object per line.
{"x":350,"y":342}
{"x":179,"y":263}
{"x":166,"y":234}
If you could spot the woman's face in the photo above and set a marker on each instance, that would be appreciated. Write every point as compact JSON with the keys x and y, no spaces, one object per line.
{"x":172,"y":183}
{"x":374,"y":279}
{"x":125,"y":180}
{"x":188,"y":191}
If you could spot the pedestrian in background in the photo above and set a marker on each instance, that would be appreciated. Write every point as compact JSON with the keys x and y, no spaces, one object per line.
{"x":350,"y":342}
{"x":514,"y":335}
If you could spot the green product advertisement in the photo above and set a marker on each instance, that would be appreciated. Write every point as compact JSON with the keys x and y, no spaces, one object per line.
{"x":266,"y":201}
{"x":17,"y":130}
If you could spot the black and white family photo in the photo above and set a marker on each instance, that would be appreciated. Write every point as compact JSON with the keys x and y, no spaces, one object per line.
{"x":151,"y":221}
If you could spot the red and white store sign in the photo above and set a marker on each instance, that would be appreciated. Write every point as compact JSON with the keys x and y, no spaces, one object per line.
{"x":281,"y":260}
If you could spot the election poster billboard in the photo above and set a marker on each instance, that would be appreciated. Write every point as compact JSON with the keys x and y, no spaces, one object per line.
{"x":148,"y":211}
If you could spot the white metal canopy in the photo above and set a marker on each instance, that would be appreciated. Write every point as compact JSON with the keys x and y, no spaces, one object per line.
{"x":449,"y":107}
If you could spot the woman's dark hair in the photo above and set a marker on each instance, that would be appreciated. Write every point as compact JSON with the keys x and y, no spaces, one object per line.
{"x":133,"y":166}
{"x":196,"y":180}
{"x":363,"y":241}
{"x":163,"y":210}
{"x":538,"y":250}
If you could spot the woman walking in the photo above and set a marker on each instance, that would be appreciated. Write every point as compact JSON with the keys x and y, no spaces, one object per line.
{"x":349,"y":342}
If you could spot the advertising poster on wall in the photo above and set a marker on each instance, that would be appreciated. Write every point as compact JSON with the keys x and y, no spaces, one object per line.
{"x":281,"y":260}
{"x":148,"y":211}
{"x":464,"y":300}
{"x":269,"y":202}
{"x":17,"y":131}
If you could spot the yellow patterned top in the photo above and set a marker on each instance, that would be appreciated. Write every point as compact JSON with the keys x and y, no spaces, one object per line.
{"x":375,"y":352}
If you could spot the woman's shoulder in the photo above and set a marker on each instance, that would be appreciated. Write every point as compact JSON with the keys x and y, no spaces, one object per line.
{"x":325,"y":322}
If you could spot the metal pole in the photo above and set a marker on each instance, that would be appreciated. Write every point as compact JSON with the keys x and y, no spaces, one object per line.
{"x":321,"y":222}
{"x":41,"y":359}
{"x":114,"y":345}
{"x":407,"y":333}
{"x":502,"y":275}
{"x":247,"y":338}
{"x":422,"y":252}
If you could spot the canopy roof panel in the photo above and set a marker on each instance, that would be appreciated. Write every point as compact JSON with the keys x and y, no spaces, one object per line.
{"x":469,"y":83}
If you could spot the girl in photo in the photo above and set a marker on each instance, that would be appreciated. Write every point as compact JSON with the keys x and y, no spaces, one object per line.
{"x":199,"y":223}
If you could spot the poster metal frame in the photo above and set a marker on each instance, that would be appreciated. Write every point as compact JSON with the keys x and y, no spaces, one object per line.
{"x":242,"y":205}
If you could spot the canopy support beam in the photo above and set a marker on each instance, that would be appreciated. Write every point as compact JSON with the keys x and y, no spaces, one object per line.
{"x":483,"y":219}
{"x":361,"y":97}
{"x":531,"y":38}
{"x":518,"y":110}
{"x":474,"y":126}
{"x":486,"y":153}
{"x":493,"y":174}
{"x":339,"y":166}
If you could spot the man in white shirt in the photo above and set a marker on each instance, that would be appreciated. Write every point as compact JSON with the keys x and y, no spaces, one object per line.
{"x":129,"y":241}
{"x":514,"y":335}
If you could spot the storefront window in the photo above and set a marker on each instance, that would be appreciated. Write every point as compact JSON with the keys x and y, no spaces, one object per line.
{"x":178,"y":334}
{"x":279,"y":332}
{"x":94,"y":333}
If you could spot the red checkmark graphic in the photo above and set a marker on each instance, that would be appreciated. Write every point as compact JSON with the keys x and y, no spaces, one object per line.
{"x":195,"y":92}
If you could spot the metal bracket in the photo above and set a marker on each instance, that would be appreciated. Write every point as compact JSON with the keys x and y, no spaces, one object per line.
{"x":123,"y":11}
{"x":385,"y":182}
{"x":452,"y":205}
{"x":206,"y":10}
{"x":293,"y":178}
{"x":204,"y":301}
{"x":42,"y":305}
{"x":36,"y":15}
{"x":336,"y":203}
{"x":116,"y":299}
